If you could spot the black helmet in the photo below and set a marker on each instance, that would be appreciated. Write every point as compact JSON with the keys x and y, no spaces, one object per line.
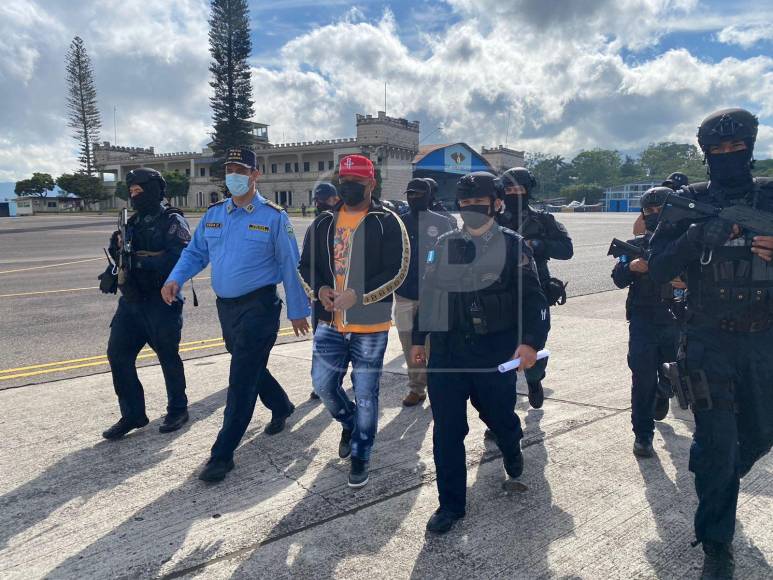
{"x":519,"y":176}
{"x":477,"y":184}
{"x":655,"y":196}
{"x":676,"y":180}
{"x":145,"y":176}
{"x":727,"y":124}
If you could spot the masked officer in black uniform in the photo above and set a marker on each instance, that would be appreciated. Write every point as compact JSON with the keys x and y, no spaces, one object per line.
{"x":547,"y":238}
{"x":482,"y":304}
{"x":728,"y":334}
{"x":653,"y":329}
{"x":157,"y":234}
{"x":424,"y":228}
{"x":436,"y":205}
{"x":676,"y":181}
{"x":325,"y":197}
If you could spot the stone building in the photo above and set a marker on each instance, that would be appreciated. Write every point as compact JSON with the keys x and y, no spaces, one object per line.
{"x":290,"y":170}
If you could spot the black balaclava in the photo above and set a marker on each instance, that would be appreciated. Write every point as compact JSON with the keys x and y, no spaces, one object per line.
{"x":148,"y":202}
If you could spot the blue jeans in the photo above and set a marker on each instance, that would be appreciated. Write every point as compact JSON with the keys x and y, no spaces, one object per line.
{"x":332,"y":353}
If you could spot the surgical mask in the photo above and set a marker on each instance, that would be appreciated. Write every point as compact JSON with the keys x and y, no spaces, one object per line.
{"x":417,"y":204}
{"x":237,"y":184}
{"x":730,"y":167}
{"x":351,"y":192}
{"x":476,"y":216}
{"x":146,"y":203}
{"x":651,"y":221}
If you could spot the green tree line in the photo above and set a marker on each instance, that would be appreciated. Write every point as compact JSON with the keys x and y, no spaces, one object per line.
{"x":590,"y":172}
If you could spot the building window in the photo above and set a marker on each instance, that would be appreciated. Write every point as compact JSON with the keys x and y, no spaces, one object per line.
{"x":200,"y":199}
{"x":51,"y":204}
{"x":296,"y":167}
{"x":306,"y":166}
{"x":202,"y":172}
{"x":263,"y":168}
{"x":320,"y":166}
{"x":330,"y":164}
{"x":287,"y":167}
{"x":273,"y":168}
{"x":188,"y":172}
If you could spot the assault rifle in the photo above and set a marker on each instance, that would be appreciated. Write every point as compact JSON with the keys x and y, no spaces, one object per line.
{"x":677,"y":209}
{"x":620,"y":248}
{"x":125,"y":249}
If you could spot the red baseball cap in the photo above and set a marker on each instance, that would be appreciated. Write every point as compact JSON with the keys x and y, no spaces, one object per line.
{"x":356,"y":165}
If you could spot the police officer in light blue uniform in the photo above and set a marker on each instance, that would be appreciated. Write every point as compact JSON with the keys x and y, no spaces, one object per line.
{"x":251,"y":245}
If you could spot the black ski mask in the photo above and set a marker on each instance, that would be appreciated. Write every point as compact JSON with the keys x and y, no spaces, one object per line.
{"x":351,"y":192}
{"x":515,"y":204}
{"x":148,"y":202}
{"x":418,"y":203}
{"x":730,"y":168}
{"x":651,"y":221}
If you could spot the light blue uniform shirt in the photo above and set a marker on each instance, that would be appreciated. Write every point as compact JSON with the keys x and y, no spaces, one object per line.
{"x":249,"y":247}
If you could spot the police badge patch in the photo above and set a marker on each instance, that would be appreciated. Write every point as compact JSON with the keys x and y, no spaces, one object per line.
{"x":432,"y":231}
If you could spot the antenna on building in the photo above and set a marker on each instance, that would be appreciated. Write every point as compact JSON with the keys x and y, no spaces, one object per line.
{"x":115,"y":127}
{"x":507,"y":130}
{"x":385,"y":99}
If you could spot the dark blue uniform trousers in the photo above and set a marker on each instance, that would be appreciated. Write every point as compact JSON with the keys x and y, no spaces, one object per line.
{"x":250,"y":325}
{"x":650,"y":344}
{"x":491,"y":393}
{"x":134,"y":325}
{"x":728,"y":442}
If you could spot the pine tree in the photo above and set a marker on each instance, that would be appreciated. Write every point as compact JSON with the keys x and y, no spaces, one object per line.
{"x":232,"y":104}
{"x":83,"y":114}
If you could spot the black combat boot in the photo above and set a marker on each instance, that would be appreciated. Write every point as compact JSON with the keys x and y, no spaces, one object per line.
{"x":642,"y":447}
{"x":442,"y":521}
{"x":174,"y":422}
{"x":277,"y":424}
{"x":216,"y":470}
{"x":718,"y":561}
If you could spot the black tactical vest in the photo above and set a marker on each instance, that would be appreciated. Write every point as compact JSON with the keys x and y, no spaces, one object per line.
{"x":472,"y":289}
{"x":149,"y":234}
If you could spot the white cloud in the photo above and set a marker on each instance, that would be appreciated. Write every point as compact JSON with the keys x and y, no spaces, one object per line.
{"x":568,"y":76}
{"x":746,"y":36}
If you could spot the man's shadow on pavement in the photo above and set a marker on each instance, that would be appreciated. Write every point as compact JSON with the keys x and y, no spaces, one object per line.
{"x":369,"y":530}
{"x":126,"y":547}
{"x":88,"y":471}
{"x":534,"y":521}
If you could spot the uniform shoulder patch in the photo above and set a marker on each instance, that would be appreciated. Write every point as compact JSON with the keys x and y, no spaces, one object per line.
{"x":275,"y":205}
{"x":221,"y":202}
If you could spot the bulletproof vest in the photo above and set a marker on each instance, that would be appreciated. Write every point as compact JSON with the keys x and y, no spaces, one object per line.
{"x":644,"y":291}
{"x":735,"y":285}
{"x":473,"y":289}
{"x":148,"y":234}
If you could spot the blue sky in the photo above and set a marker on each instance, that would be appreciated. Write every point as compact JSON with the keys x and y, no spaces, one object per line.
{"x":568,"y":75}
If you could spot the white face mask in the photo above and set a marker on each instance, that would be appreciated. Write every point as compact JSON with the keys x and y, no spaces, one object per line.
{"x":237,"y":184}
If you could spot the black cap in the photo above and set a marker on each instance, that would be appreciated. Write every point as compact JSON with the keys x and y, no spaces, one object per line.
{"x":477,"y":184}
{"x":242,"y":156}
{"x":727,"y":125}
{"x":324,"y":190}
{"x":419,"y":186}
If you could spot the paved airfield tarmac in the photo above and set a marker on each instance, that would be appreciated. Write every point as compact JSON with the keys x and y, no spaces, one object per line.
{"x":55,"y":321}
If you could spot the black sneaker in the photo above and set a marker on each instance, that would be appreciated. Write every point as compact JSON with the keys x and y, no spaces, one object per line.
{"x":123,"y":427}
{"x":536,"y":395}
{"x":215,"y":470}
{"x":277,"y":424}
{"x":358,"y":474}
{"x":314,"y":396}
{"x":442,"y":521}
{"x":661,"y":408}
{"x":642,"y":447}
{"x":718,"y":561}
{"x":173,"y":422}
{"x":345,"y":445}
{"x":513,"y":463}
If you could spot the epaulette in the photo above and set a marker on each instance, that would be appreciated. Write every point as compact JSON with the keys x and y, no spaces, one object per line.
{"x":275,"y":205}
{"x":221,"y":202}
{"x":169,"y":210}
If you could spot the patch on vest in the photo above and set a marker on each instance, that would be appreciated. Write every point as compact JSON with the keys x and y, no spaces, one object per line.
{"x":213,"y":225}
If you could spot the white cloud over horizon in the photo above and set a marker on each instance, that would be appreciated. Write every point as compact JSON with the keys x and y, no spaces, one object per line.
{"x":564,"y":77}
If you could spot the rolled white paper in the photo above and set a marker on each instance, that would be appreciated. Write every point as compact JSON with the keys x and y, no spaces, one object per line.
{"x":515,"y":363}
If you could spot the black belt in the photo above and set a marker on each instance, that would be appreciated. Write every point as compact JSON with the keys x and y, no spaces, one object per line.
{"x":264,"y":292}
{"x":731,"y":324}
